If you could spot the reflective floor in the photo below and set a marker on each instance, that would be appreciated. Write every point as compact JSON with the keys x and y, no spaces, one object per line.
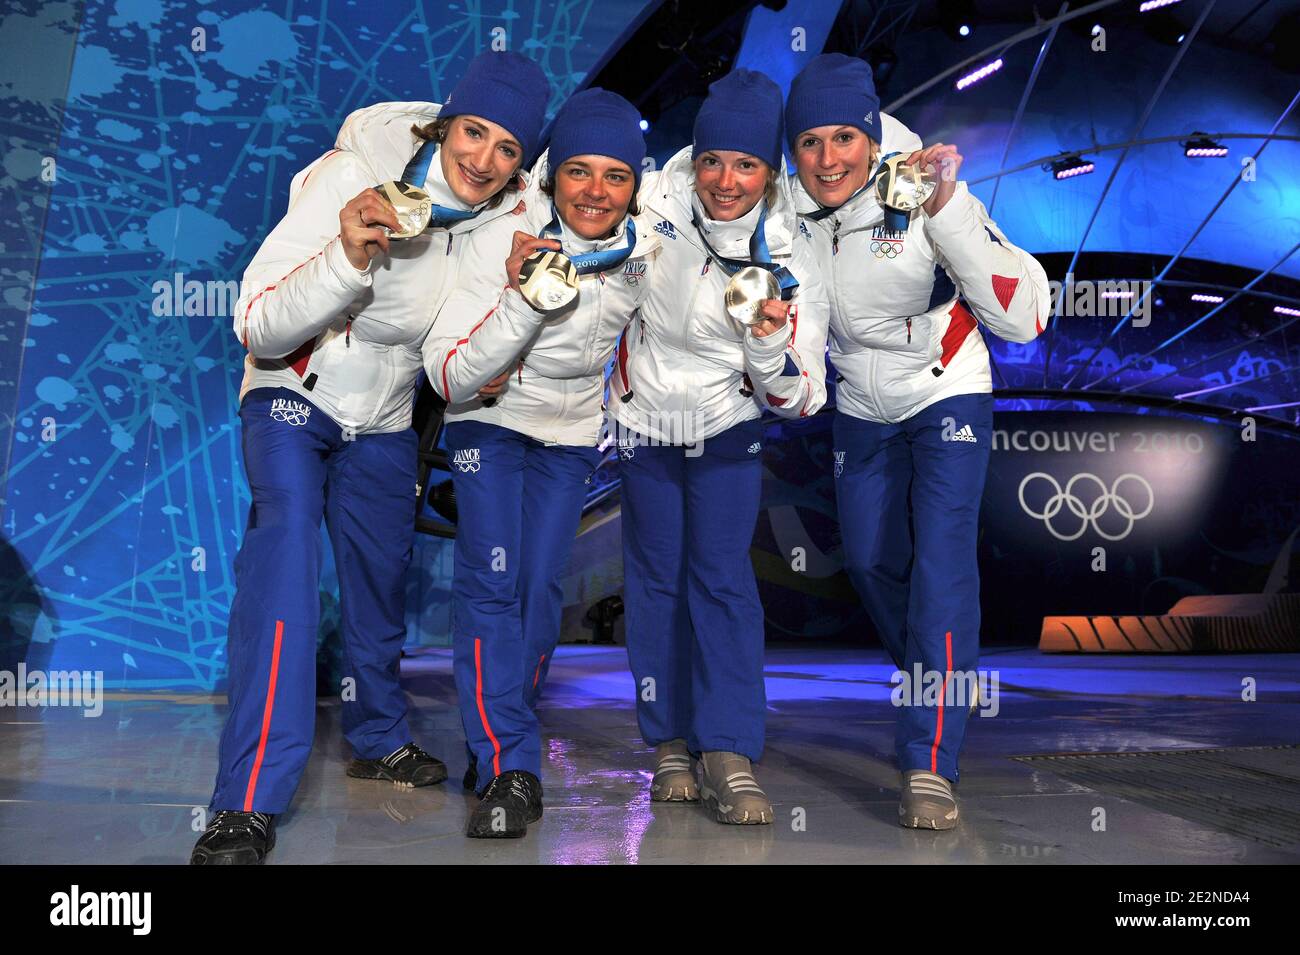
{"x":126,"y":787}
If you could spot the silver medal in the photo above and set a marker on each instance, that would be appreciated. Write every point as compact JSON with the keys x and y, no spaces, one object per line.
{"x":414,"y":207}
{"x":903,"y":187}
{"x":548,"y":280}
{"x":746,"y":292}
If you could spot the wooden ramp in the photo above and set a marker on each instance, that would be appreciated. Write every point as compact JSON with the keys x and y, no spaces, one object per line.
{"x":1223,"y":623}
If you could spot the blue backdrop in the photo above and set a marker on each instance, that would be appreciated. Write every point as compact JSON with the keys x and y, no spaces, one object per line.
{"x":172,"y":154}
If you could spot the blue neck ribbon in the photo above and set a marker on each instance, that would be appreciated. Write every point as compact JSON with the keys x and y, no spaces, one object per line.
{"x":417,"y":171}
{"x":595,"y":261}
{"x":758,"y":255}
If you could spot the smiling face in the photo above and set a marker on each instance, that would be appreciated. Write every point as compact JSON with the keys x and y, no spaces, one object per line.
{"x":833,"y":162}
{"x":729,"y":183}
{"x":592,"y":194}
{"x":478,"y":158}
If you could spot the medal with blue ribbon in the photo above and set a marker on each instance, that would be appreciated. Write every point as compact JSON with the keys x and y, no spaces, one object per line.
{"x":900,"y":188}
{"x":416,"y":210}
{"x":759,"y":256}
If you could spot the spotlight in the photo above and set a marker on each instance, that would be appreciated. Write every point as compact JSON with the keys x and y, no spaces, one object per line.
{"x":1283,"y":310}
{"x":956,"y":17}
{"x":1202,"y":145}
{"x":1205,"y":297}
{"x":1068,"y":167}
{"x":983,"y":71}
{"x":1149,"y":5}
{"x":645,"y":125}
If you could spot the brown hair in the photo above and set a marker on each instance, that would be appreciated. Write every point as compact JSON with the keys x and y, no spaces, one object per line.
{"x":436,"y":132}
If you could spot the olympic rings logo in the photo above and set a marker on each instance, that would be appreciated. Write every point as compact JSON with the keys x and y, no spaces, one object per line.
{"x":1088,"y":515}
{"x":295,"y":413}
{"x":295,"y":418}
{"x":885,"y":249}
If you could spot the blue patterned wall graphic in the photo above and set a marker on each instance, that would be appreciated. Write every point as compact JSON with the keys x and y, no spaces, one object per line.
{"x":174,"y":157}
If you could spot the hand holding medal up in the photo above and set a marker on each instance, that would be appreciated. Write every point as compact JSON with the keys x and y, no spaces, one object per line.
{"x":940,"y":164}
{"x":753,"y":298}
{"x":364,"y":226}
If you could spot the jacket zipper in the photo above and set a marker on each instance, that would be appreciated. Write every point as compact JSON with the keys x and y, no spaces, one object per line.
{"x":347,"y":334}
{"x":835,"y":238}
{"x":909,"y":329}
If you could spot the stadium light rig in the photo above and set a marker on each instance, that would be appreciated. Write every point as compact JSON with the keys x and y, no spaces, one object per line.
{"x":1206,"y":297}
{"x":1283,"y":310}
{"x":1149,"y":5}
{"x":1201,"y":145}
{"x":1067,"y":167}
{"x":987,"y":69}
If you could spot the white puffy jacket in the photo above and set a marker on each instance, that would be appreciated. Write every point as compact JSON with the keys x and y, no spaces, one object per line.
{"x":485,"y":327}
{"x":900,"y":339}
{"x":350,"y":341}
{"x":686,"y":371}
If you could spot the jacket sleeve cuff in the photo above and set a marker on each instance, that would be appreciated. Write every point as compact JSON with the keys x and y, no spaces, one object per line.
{"x":768,"y":345}
{"x":348,"y":275}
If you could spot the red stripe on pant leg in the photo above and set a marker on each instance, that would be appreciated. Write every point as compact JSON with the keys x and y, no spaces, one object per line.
{"x":538,"y":672}
{"x":943,"y":692}
{"x":266,"y":717}
{"x":482,"y":711}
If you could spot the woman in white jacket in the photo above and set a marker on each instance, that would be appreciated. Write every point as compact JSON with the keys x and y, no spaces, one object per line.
{"x":687,"y":394}
{"x":333,"y":316}
{"x":914,"y":408}
{"x":524,"y":391}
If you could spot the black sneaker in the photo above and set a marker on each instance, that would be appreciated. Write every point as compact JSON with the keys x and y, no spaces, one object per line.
{"x":235,"y":838}
{"x":510,"y":802}
{"x":408,"y":767}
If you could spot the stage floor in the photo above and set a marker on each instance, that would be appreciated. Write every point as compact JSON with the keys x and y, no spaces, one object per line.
{"x":123,"y":788}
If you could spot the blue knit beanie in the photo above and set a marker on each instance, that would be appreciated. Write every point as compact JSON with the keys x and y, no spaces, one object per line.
{"x":600,"y":123}
{"x":743,"y":113}
{"x":506,"y":88}
{"x":833,"y":90}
